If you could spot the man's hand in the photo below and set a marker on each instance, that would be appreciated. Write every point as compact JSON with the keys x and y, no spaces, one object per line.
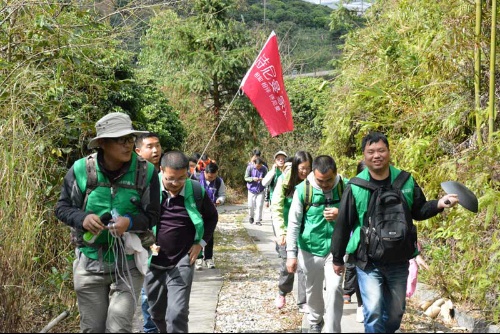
{"x":93,"y":224}
{"x":291,"y":265}
{"x":331,"y":214}
{"x":448,"y":201}
{"x":193,"y":252}
{"x":119,"y":225}
{"x":339,"y":270}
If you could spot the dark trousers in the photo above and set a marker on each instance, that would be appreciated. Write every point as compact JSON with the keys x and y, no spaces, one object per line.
{"x":285,"y":281}
{"x":169,"y":290}
{"x":351,"y":285}
{"x":208,"y":251}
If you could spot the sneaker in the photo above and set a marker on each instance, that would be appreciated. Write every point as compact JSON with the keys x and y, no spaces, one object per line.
{"x":347,"y":299}
{"x":198,"y":264}
{"x":316,"y":328}
{"x":360,"y":317}
{"x":303,"y":308}
{"x":258,"y":223}
{"x":250,"y":220}
{"x":280,"y":302}
{"x":210,"y":264}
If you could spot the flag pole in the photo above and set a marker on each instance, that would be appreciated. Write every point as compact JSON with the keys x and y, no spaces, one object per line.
{"x":218,"y":125}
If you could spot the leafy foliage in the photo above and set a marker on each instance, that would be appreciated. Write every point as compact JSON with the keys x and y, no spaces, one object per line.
{"x":408,"y":73}
{"x":306,"y":42}
{"x":61,"y":69}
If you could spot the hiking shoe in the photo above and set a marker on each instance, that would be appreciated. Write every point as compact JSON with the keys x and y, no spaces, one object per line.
{"x":280,"y":302}
{"x":316,"y":328}
{"x":347,"y":299}
{"x":258,"y":223}
{"x":360,"y":317}
{"x":198,"y":264}
{"x":210,"y":264}
{"x":250,"y":220}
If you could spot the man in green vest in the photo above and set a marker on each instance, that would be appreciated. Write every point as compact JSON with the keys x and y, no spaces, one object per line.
{"x":311,"y":222}
{"x":187,"y":222}
{"x":108,"y":280}
{"x":382,"y":285}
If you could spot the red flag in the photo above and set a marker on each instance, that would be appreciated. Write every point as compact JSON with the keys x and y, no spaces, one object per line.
{"x":263,"y":84}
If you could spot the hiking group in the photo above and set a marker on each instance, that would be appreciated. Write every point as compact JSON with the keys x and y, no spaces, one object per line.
{"x":143,"y":222}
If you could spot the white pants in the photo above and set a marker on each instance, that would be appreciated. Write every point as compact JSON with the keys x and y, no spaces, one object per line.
{"x":255,"y":205}
{"x":319,"y":270}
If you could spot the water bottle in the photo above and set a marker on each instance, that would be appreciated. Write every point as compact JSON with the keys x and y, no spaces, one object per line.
{"x":90,"y":238}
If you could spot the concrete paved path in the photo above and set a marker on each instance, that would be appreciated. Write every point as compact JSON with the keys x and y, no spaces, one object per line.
{"x":208,"y":282}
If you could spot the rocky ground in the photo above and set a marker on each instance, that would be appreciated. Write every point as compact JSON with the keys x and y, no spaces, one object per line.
{"x":246,"y":300}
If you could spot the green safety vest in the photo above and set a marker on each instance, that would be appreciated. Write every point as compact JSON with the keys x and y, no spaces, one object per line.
{"x":316,"y":237}
{"x":105,"y":197}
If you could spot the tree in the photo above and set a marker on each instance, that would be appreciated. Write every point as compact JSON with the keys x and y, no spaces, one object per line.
{"x":199,"y":59}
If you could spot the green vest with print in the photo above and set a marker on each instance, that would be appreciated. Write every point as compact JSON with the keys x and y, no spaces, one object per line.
{"x":316,"y":237}
{"x":105,"y":197}
{"x":273,"y":183}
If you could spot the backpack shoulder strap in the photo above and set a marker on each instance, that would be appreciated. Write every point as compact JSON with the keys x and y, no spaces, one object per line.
{"x":91,"y":170}
{"x":400,"y":180}
{"x":363,"y":183}
{"x":198,"y":194}
{"x":341,"y":187}
{"x":307,"y":196}
{"x":141,"y":175}
{"x":307,"y":203}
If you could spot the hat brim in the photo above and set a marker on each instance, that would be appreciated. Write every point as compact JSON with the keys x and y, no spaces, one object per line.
{"x":93,"y":143}
{"x":280,"y":153}
{"x":466,"y":197}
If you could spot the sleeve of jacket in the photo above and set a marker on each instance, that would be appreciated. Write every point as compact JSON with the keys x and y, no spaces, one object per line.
{"x":210,"y":218}
{"x":269,"y":177}
{"x":277,"y":207}
{"x":248,"y":175}
{"x":346,"y":220}
{"x":68,"y":208}
{"x":221,"y":195}
{"x":149,"y":214}
{"x":294,"y":225}
{"x":423,"y":209}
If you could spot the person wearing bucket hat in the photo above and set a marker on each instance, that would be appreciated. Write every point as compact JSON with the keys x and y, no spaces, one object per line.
{"x":113,"y":125}
{"x":117,"y":184}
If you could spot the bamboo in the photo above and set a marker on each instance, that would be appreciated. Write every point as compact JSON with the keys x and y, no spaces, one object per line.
{"x":491,"y":112}
{"x":477,"y":72}
{"x":55,"y":321}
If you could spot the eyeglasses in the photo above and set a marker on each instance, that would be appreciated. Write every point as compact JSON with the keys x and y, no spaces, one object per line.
{"x":130,"y":139}
{"x":175,"y":181}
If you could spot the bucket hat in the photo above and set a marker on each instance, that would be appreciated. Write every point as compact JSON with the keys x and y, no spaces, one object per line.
{"x":280,"y":153}
{"x":466,"y":197}
{"x":113,"y":125}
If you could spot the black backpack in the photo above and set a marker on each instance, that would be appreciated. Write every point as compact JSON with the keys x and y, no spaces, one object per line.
{"x":388,"y":230}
